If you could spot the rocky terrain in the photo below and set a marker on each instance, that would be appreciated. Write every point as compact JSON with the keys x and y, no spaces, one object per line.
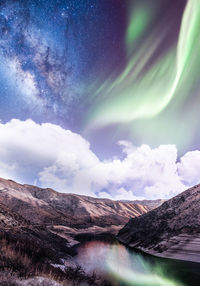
{"x":149,"y":203}
{"x":171,"y":230}
{"x":67,"y":215}
{"x":28,"y":251}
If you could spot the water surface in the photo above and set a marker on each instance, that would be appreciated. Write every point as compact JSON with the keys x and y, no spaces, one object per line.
{"x":124,"y":266}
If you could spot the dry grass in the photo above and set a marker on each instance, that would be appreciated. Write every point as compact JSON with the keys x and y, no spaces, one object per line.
{"x":19,"y":261}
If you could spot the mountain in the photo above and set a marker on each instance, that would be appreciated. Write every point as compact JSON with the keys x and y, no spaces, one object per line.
{"x":171,"y":230}
{"x":69,"y":215}
{"x":15,"y":229}
{"x":149,"y":203}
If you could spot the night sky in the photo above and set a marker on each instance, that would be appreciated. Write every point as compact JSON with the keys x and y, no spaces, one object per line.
{"x":109,"y":70}
{"x":52,"y":52}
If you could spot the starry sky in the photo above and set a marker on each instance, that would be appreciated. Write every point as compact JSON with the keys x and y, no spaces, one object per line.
{"x":108,"y":70}
{"x":52,"y":51}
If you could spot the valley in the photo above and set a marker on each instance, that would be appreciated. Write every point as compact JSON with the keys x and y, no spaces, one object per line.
{"x":64,"y":237}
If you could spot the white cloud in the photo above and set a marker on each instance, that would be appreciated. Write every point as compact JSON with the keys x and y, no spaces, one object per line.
{"x":51,"y":156}
{"x":35,"y":149}
{"x":189,"y":168}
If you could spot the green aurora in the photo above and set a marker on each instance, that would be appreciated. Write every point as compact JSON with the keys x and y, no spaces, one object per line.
{"x":132,"y":269}
{"x":153,"y":98}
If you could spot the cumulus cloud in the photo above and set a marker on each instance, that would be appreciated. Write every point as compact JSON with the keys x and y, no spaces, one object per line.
{"x":189,"y":168}
{"x":29,"y":150}
{"x":50,"y":156}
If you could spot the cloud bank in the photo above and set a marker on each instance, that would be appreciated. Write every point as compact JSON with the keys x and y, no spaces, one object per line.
{"x":50,"y":156}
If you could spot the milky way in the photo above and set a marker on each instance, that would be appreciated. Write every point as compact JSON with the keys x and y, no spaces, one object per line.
{"x":43,"y":50}
{"x":34,"y":66}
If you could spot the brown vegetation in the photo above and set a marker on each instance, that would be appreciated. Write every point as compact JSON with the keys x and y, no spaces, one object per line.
{"x":24,"y":259}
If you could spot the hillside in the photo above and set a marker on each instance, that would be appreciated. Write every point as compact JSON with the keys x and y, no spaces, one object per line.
{"x":148,"y":203}
{"x":68,"y":215}
{"x":18,"y":231}
{"x":27,"y":251}
{"x":171,"y":230}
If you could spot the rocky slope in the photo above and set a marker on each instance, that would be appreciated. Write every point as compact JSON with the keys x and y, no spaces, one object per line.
{"x":149,"y":203}
{"x":68,"y":215}
{"x":26,"y":249}
{"x":171,"y":230}
{"x":20,"y":233}
{"x":33,"y":255}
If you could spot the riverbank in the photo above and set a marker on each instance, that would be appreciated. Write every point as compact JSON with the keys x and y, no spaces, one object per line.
{"x":182,"y":247}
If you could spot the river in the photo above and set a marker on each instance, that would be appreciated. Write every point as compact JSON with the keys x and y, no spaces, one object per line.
{"x":125,"y":267}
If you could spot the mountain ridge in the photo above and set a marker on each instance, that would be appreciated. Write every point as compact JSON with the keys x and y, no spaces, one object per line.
{"x":67,"y":215}
{"x":171,"y":230}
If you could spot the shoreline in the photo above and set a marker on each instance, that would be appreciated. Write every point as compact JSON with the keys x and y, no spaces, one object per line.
{"x":153,"y":254}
